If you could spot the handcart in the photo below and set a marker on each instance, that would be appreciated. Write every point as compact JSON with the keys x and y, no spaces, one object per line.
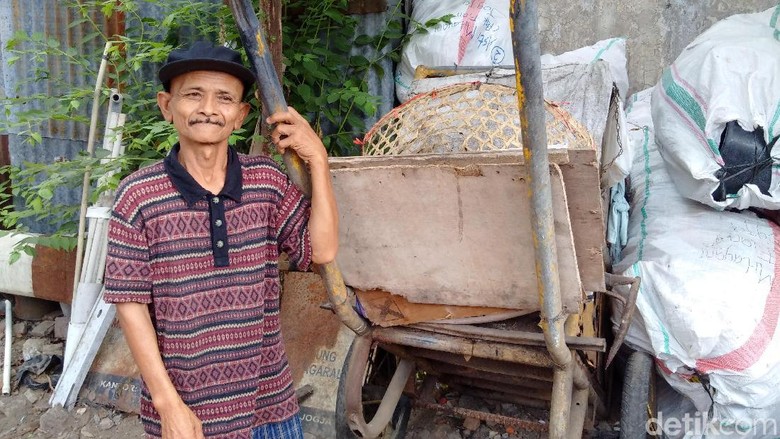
{"x":509,"y":238}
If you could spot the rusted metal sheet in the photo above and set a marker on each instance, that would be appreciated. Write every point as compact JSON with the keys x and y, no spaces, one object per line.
{"x":5,"y":156}
{"x":385,"y":309}
{"x":317,"y":344}
{"x":52,"y":274}
{"x":61,"y":139}
{"x":47,"y":275}
{"x":54,"y":20}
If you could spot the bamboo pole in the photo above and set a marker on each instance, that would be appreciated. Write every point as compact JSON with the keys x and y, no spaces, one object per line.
{"x":90,"y":149}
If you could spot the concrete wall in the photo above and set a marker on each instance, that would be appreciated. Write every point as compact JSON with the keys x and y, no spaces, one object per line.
{"x":656,"y":31}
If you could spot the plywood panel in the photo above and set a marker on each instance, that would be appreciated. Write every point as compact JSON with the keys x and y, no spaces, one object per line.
{"x":447,"y":234}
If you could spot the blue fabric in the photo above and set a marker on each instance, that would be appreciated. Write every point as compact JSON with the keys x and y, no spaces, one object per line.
{"x":617,"y":223}
{"x":289,"y":429}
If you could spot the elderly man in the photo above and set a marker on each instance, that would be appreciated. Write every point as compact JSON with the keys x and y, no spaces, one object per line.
{"x":192,"y":262}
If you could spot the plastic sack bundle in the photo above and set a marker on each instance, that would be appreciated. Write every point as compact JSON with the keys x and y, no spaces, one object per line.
{"x":709,"y":300}
{"x":477,"y":35}
{"x":719,"y":106}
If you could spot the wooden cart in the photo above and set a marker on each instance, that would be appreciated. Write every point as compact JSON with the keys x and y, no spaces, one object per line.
{"x":503,"y":238}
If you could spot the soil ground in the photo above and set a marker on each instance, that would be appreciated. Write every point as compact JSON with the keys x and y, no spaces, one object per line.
{"x":25,"y":413}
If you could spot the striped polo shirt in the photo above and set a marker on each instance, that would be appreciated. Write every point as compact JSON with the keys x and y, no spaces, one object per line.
{"x":207,"y":266}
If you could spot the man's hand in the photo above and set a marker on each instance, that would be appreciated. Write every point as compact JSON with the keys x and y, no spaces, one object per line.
{"x":293,"y":131}
{"x":179,"y":422}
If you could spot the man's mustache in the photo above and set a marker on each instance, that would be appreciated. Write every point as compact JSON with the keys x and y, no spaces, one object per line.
{"x":207,"y":120}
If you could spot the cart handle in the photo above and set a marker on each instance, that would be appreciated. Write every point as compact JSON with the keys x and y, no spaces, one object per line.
{"x":254,"y":41}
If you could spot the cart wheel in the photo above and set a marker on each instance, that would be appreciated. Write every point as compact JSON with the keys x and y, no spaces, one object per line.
{"x":638,"y":400}
{"x":380,"y":369}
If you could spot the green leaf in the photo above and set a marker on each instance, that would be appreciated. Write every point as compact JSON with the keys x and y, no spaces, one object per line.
{"x":36,"y":137}
{"x":45,"y":193}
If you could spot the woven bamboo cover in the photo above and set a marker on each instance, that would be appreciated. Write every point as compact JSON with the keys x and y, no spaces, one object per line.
{"x":466,"y":117}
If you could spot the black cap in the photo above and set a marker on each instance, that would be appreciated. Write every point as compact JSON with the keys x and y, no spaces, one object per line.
{"x":203,"y":55}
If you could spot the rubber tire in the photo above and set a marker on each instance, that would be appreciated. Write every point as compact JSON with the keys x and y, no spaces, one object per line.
{"x":396,"y":428}
{"x":638,"y":394}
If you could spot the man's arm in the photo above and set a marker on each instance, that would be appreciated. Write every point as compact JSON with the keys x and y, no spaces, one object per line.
{"x":177,"y":420}
{"x":293,"y":131}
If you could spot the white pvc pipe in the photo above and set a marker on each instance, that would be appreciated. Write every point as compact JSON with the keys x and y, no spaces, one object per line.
{"x":7,"y":358}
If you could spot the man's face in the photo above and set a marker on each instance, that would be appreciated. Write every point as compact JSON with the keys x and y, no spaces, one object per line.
{"x":204,"y":106}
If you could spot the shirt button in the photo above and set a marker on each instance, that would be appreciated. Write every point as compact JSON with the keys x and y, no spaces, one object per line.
{"x":218,"y":223}
{"x":215,"y":200}
{"x":220,"y":244}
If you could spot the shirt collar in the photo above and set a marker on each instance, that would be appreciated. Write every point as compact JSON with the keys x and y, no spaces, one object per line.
{"x":191,"y":190}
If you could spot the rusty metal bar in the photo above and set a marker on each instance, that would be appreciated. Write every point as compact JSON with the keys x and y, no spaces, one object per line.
{"x":579,"y":408}
{"x":560,"y":404}
{"x":272,"y":97}
{"x":530,"y":96}
{"x":457,"y":372}
{"x":498,"y":419}
{"x":458,"y":345}
{"x":584,"y":392}
{"x":629,"y":306}
{"x":495,"y":386}
{"x":514,"y":337}
{"x":425,"y":356}
{"x":506,"y":397}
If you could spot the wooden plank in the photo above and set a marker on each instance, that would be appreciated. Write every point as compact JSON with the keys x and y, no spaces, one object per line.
{"x":73,"y":376}
{"x":447,"y":234}
{"x":458,"y":159}
{"x":581,"y":176}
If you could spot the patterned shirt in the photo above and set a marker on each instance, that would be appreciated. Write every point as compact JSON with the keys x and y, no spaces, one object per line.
{"x":207,"y":266}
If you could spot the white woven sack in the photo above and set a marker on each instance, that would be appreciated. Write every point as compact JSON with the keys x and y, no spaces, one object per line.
{"x":477,"y":35}
{"x":710,"y":296}
{"x":729,"y":72}
{"x":612,"y":50}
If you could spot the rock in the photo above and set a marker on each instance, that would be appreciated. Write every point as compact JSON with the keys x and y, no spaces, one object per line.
{"x":19,"y":329}
{"x":43,"y":329}
{"x":61,"y":327}
{"x":13,"y":407}
{"x":30,"y":424}
{"x":81,"y":410}
{"x":471,"y":423}
{"x":105,"y":424}
{"x":31,"y":395}
{"x":53,"y":420}
{"x":444,"y":432}
{"x":38,"y":346}
{"x":32,"y":347}
{"x":85,"y":432}
{"x":472,"y":403}
{"x":483,"y":433}
{"x":511,"y":410}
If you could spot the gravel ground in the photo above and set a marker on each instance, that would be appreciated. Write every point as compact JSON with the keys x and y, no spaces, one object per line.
{"x":26,"y":413}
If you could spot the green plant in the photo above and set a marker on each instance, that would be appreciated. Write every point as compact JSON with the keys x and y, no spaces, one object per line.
{"x":323,"y":79}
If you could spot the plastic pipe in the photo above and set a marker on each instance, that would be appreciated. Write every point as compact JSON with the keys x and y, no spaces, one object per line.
{"x":8,"y":340}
